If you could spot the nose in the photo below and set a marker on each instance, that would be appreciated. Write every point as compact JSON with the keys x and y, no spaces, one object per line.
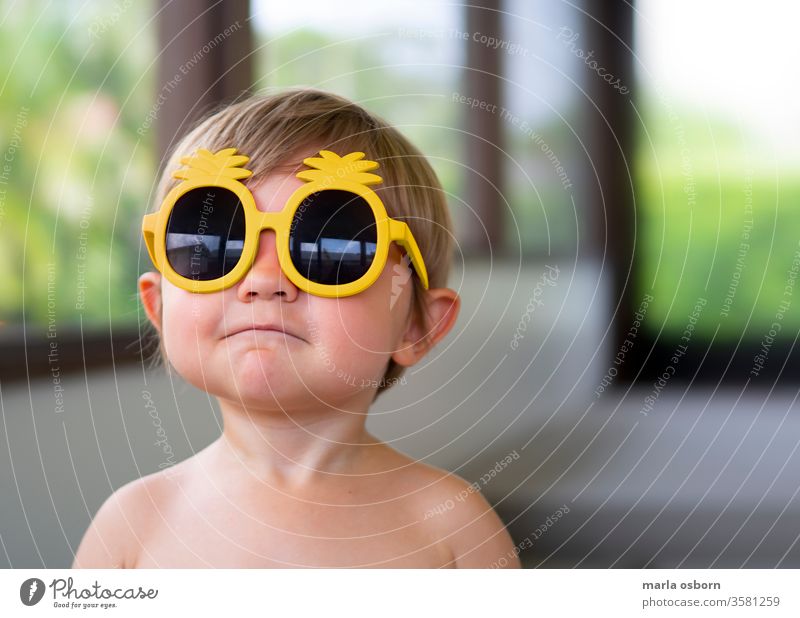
{"x":265,"y":278}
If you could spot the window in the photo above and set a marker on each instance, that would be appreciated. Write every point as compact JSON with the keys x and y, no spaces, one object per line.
{"x":718,"y":246}
{"x":77,"y":166}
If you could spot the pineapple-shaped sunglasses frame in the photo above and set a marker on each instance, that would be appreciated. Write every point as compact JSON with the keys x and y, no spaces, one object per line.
{"x":224,"y":169}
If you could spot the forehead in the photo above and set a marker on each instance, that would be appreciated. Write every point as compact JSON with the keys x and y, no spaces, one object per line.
{"x":272,"y":191}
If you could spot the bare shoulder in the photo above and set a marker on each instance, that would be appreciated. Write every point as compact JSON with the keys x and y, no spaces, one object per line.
{"x":116,"y":533}
{"x":460,"y":516}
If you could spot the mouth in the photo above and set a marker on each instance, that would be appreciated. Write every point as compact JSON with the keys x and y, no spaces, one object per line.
{"x":264,"y":331}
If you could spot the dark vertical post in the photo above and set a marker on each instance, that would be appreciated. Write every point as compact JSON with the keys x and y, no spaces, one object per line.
{"x":205,"y":50}
{"x":611,"y":216}
{"x":483,"y":142}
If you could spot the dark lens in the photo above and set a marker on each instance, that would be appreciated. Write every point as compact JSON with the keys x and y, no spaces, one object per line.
{"x":205,"y":233}
{"x":333,"y":237}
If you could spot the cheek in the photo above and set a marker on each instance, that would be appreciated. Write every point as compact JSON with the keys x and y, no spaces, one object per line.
{"x":365,"y":331}
{"x":186,"y":326}
{"x":360,"y":330}
{"x":330,"y":328}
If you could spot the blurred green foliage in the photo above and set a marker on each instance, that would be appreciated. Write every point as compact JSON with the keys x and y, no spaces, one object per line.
{"x":717,"y":218}
{"x":79,"y":80}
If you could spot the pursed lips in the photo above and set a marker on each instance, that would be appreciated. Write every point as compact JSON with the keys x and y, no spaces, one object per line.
{"x":268,"y":328}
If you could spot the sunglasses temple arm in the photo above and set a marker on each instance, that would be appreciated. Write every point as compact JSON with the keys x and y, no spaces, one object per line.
{"x":148,"y":231}
{"x":401,"y":233}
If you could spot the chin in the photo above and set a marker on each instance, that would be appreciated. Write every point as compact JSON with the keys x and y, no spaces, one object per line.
{"x":262,"y":378}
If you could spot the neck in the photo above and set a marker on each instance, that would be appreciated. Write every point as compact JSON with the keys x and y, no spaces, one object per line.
{"x":293,"y":449}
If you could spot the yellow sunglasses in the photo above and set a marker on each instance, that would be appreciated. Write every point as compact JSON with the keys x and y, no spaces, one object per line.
{"x":333,"y":234}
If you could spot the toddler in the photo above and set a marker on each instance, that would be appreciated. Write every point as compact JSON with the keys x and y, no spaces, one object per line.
{"x":302,"y":248}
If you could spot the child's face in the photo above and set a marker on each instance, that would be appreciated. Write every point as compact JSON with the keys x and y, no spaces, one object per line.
{"x":330,"y":348}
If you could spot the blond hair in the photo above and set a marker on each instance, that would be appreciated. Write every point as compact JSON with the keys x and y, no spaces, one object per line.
{"x":269,"y":128}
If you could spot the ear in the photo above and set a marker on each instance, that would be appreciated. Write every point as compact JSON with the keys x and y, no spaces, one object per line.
{"x":442,"y":307}
{"x":150,"y":294}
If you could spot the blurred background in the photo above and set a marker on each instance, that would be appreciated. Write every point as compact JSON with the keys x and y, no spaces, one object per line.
{"x":623,"y":178}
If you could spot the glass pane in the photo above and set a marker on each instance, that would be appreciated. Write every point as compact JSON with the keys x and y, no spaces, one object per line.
{"x":541,"y":116}
{"x":716,"y":167}
{"x":78,"y":160}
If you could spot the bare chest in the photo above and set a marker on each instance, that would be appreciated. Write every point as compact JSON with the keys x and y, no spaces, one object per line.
{"x":230,"y":531}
